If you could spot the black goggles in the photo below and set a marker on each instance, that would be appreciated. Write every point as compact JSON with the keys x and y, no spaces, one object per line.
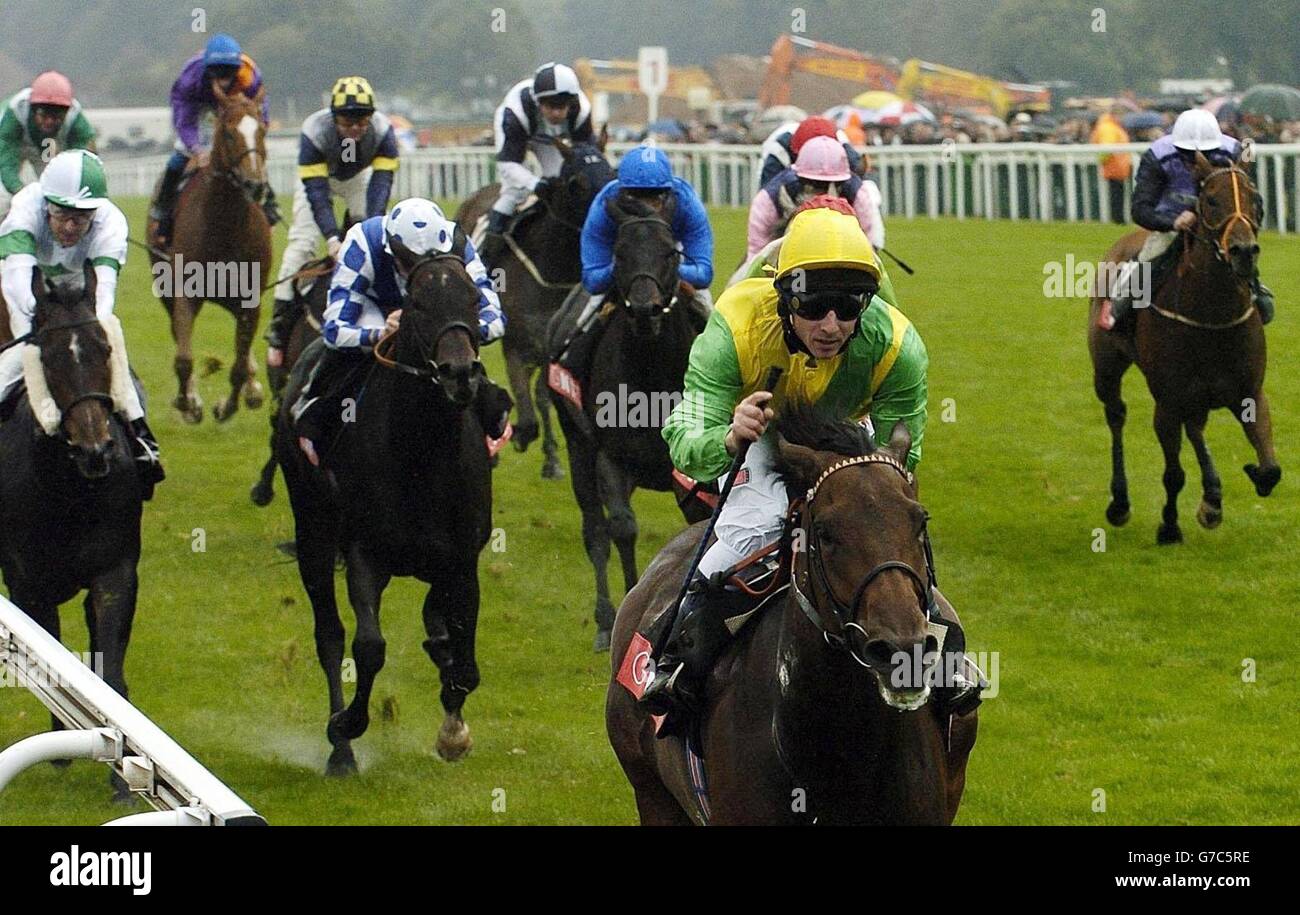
{"x":813,"y":306}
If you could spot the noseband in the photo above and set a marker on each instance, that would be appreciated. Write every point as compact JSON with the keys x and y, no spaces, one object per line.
{"x":816,"y":569}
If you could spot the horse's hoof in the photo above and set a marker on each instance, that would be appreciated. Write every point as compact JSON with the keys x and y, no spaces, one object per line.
{"x":224,"y":410}
{"x":524,"y":436}
{"x":1209,"y":516}
{"x":551,"y":469}
{"x":347,"y":725}
{"x":601,"y":642}
{"x":1117,"y":514}
{"x":1264,"y":479}
{"x":341,"y":763}
{"x":261,"y":494}
{"x":1168,"y":533}
{"x":191,"y":410}
{"x":453,"y":738}
{"x":253,"y":395}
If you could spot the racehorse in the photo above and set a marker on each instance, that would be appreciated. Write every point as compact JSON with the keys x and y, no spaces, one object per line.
{"x":1200,"y":346}
{"x":306,"y":329}
{"x":533,"y":286}
{"x":405,"y":490}
{"x":220,"y":227}
{"x":806,"y":720}
{"x":70,"y":505}
{"x":636,"y":376}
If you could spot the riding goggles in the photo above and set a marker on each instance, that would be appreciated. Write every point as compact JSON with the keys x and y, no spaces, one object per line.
{"x":813,"y":306}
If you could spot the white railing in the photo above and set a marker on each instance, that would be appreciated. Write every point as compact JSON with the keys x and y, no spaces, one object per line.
{"x":1020,"y":181}
{"x":104,"y":726}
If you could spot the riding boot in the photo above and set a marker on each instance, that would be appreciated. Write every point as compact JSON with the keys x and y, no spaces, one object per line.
{"x":1263,"y":299}
{"x":492,"y":405}
{"x":958,"y":691}
{"x":162,"y":214}
{"x":146,"y":452}
{"x":494,"y":243}
{"x":317,"y":414}
{"x":284,"y":315}
{"x":698,"y":636}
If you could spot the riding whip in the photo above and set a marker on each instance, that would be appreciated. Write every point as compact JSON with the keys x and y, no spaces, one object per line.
{"x":906,"y":269}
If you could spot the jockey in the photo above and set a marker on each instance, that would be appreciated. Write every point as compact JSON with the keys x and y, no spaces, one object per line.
{"x":58,"y":224}
{"x":822,"y":168}
{"x":223,"y":64}
{"x":1164,"y":201}
{"x":38,"y":123}
{"x":348,"y":149}
{"x":782,"y":145}
{"x":645,"y":175}
{"x":535,"y":113}
{"x":365,"y":305}
{"x":842,"y":349}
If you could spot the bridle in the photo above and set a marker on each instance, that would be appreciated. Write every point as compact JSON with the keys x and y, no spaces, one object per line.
{"x":36,"y":337}
{"x":419,"y":371}
{"x":843,"y":636}
{"x":253,"y":190}
{"x":1216,"y":236}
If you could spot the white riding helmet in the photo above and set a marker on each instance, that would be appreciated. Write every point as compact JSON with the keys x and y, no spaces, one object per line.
{"x":75,"y":179}
{"x":1197,"y":128}
{"x":420,"y":226}
{"x":554,"y":79}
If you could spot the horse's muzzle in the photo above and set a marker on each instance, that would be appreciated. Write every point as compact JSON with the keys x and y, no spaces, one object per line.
{"x":460,"y":381}
{"x":1243,"y":259}
{"x":94,"y":461}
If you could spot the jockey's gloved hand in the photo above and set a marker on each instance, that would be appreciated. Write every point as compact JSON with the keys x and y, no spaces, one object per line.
{"x":271,"y":208}
{"x":545,"y":188}
{"x":334,"y":245}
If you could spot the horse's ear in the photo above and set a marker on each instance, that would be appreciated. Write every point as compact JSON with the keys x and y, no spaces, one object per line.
{"x":219,"y":94}
{"x":39,"y":292}
{"x":565,"y":149}
{"x":613,"y":210}
{"x":261,"y":96}
{"x":1201,"y":166}
{"x":670,"y":207}
{"x":799,"y":465}
{"x":900,"y":441}
{"x":603,"y":139}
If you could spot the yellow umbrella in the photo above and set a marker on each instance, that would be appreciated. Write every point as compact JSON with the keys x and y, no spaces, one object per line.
{"x":876,"y":98}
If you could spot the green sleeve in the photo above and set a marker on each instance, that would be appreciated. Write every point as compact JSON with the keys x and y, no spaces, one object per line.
{"x":81,"y":135}
{"x":903,"y":396}
{"x":11,"y":139}
{"x":696,"y":430}
{"x":17,"y":241}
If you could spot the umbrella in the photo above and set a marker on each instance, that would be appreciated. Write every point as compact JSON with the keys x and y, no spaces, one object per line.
{"x":898,"y":113}
{"x":1281,"y":103}
{"x":1142,"y":120}
{"x":1225,"y":108}
{"x":875,"y":98}
{"x":667,"y":128}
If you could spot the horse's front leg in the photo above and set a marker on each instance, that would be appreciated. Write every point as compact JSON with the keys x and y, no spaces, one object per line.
{"x":110,"y":611}
{"x":1170,"y":432}
{"x":451,"y":622}
{"x":551,"y":467}
{"x":242,"y":370}
{"x":518,"y":373}
{"x":365,"y":587}
{"x":1210,"y":512}
{"x":616,"y":493}
{"x":187,"y":398}
{"x":1258,"y":426}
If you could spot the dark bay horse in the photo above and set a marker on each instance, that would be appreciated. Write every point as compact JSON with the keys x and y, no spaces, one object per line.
{"x":797,"y":729}
{"x":637,"y":370}
{"x":70,"y":505}
{"x":404,"y":491}
{"x":534,"y":290}
{"x":220,"y":229}
{"x":1200,"y":346}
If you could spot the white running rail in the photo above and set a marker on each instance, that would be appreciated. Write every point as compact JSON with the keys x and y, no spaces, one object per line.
{"x":104,"y":726}
{"x":1042,"y":182}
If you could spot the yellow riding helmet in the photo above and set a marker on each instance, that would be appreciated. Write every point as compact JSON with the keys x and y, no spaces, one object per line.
{"x":824,"y":237}
{"x":352,"y":94}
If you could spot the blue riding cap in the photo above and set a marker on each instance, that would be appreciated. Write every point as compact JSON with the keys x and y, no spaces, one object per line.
{"x":222,"y":51}
{"x":645,"y":167}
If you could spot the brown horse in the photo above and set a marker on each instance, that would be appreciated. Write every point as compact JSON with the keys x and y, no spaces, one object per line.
{"x":804,"y":723}
{"x":220,"y":251}
{"x":1200,"y":346}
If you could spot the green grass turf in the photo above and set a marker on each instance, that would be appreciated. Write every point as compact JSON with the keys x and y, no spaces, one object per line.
{"x":1118,"y":670}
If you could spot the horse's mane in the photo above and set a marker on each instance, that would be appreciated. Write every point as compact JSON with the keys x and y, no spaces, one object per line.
{"x":803,"y":424}
{"x":633,"y":206}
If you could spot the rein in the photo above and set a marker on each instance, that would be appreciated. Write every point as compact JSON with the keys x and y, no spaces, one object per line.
{"x":816,"y":568}
{"x":668,"y":296}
